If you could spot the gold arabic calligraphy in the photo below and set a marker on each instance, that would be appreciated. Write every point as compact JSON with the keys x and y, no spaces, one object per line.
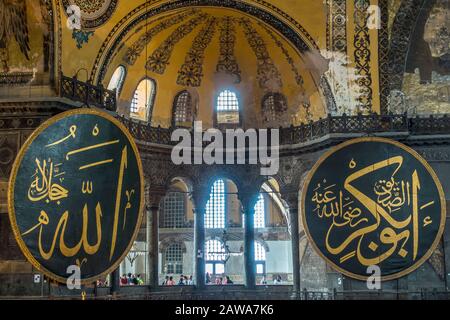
{"x":391,"y":196}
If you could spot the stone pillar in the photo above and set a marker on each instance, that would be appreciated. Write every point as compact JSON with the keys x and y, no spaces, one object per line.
{"x":155,"y":196}
{"x":199,"y":199}
{"x":115,"y":281}
{"x":248,"y":202}
{"x":292,"y":199}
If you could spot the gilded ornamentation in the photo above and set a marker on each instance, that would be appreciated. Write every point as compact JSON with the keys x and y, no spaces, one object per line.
{"x":268,"y":74}
{"x":227,"y":60}
{"x":94,"y":13}
{"x":298,"y":78}
{"x":362,"y":56}
{"x":337,"y":25}
{"x":136,"y":49}
{"x":294,"y":31}
{"x":191,"y":72}
{"x":384,"y":206}
{"x":159,"y":60}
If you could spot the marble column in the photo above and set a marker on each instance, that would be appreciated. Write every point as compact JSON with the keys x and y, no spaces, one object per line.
{"x":199,"y":199}
{"x":248,"y":202}
{"x":292,"y":199}
{"x":155,"y":198}
{"x":115,"y":281}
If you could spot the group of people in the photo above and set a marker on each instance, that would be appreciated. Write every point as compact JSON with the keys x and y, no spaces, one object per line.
{"x":131,"y":280}
{"x":276,"y":280}
{"x":183,"y":281}
{"x":224,"y":280}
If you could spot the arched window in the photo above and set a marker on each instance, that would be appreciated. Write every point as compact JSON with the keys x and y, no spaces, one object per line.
{"x":173,"y":210}
{"x":174,"y":259}
{"x":273,"y":105}
{"x":227,"y":107}
{"x":215,"y":257}
{"x":143,"y":98}
{"x":182,"y":110}
{"x":215,"y":207}
{"x":260,"y":258}
{"x":260,"y":212}
{"x":117,"y":80}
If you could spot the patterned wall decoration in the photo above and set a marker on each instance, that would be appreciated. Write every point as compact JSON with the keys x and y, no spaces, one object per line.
{"x":81,"y":37}
{"x":337,"y":25}
{"x":362,"y":55}
{"x":94,"y":13}
{"x":191,"y":71}
{"x":328,"y":95}
{"x":9,"y":145}
{"x":136,"y":49}
{"x":267,"y":71}
{"x":293,"y":31}
{"x":383,"y":55}
{"x":159,"y":60}
{"x":227,"y":60}
{"x":298,"y":78}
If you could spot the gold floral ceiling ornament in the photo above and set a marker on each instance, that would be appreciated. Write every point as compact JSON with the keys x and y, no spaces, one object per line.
{"x":94,"y":13}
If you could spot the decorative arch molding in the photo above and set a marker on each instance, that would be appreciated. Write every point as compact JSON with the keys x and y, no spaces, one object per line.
{"x":94,"y":14}
{"x":405,"y":23}
{"x":263,"y":11}
{"x":167,"y":242}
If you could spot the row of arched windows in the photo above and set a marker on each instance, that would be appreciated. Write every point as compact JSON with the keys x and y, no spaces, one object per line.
{"x":173,"y":208}
{"x":183,"y":111}
{"x":215,"y":258}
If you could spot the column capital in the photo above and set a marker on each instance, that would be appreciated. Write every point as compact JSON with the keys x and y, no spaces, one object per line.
{"x":154,"y":197}
{"x":248,"y":200}
{"x":199,"y":198}
{"x":291,"y":198}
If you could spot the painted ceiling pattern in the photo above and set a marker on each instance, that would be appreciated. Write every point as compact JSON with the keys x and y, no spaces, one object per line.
{"x":191,"y":73}
{"x":94,"y":13}
{"x":206,"y":27}
{"x":227,"y":60}
{"x":138,"y":47}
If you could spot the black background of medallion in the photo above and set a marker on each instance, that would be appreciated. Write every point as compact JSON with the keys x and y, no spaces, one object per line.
{"x":105,"y":187}
{"x":335,"y":169}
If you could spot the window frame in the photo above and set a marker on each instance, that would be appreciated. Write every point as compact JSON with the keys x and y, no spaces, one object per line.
{"x":225,"y":206}
{"x":150,"y":102}
{"x":163,"y":213}
{"x":121,"y":81}
{"x":174,"y":263}
{"x":259,"y":261}
{"x":216,"y":112}
{"x":274,"y":95}
{"x":175,"y":105}
{"x":216,"y":262}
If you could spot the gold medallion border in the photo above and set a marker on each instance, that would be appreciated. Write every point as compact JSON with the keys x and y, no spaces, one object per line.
{"x":12,"y":180}
{"x":415,"y":155}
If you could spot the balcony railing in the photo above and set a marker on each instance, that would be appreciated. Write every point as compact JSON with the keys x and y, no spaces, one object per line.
{"x":367,"y":124}
{"x":87,"y":93}
{"x":97,"y":96}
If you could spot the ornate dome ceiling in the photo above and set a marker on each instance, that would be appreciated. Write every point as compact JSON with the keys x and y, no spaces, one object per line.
{"x":206,"y":49}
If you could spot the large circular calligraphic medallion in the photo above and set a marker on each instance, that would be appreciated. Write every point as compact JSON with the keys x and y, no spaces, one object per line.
{"x":373,"y":202}
{"x":76,"y":195}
